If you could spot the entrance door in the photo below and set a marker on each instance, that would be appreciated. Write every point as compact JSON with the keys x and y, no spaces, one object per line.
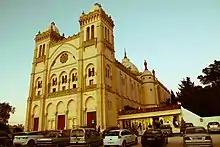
{"x":36,"y":124}
{"x":61,"y":122}
{"x":91,"y":119}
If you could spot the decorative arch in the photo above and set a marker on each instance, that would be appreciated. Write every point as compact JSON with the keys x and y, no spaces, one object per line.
{"x":36,"y":110}
{"x":60,"y":107}
{"x":72,"y":71}
{"x":90,"y":103}
{"x":53,"y":76}
{"x":68,"y":47}
{"x":89,"y":65}
{"x":61,"y":74}
{"x":69,"y":103}
{"x":57,"y":56}
{"x":38,"y":78}
{"x":49,"y":107}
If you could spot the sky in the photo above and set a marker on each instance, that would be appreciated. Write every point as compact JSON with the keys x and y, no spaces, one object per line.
{"x":178,"y":38}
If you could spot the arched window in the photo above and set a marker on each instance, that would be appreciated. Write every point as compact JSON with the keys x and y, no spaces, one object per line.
{"x":43,"y":50}
{"x":105,"y":33}
{"x":87,"y":33}
{"x":92,"y":32}
{"x":108,"y":37}
{"x":39,"y":52}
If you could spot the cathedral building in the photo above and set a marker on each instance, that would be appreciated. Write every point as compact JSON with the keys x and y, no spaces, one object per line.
{"x":77,"y":80}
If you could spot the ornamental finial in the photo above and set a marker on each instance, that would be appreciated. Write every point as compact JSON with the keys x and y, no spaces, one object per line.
{"x":145,"y":65}
{"x":125,"y":54}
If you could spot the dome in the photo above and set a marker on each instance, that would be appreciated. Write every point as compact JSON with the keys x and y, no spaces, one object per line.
{"x":147,"y":72}
{"x":96,"y":6}
{"x":53,"y":28}
{"x":129,"y":65}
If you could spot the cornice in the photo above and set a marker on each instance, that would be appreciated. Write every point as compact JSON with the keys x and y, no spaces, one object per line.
{"x":48,"y":34}
{"x":91,"y":16}
{"x":63,"y":40}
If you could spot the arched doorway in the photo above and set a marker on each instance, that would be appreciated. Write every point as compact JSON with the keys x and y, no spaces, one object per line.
{"x":90,"y":112}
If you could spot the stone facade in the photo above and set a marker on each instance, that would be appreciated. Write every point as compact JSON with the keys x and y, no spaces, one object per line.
{"x":73,"y":76}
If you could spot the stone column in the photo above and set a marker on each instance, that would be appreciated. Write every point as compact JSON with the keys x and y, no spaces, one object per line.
{"x":46,"y":122}
{"x":56,"y":120}
{"x":66,"y":120}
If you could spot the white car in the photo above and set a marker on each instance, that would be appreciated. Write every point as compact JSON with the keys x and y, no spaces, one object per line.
{"x":122,"y":137}
{"x":27,"y":138}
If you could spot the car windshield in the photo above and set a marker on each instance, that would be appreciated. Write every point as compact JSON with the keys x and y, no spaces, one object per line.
{"x":195,"y":130}
{"x":214,"y":123}
{"x":51,"y":134}
{"x":112,"y":133}
{"x":77,"y":133}
{"x":165,"y":127}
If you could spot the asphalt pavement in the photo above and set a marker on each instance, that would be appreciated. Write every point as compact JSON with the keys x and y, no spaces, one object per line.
{"x":177,"y":141}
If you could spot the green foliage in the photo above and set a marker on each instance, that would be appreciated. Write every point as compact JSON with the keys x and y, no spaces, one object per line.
{"x":211,"y":74}
{"x":5,"y":111}
{"x":203,"y":101}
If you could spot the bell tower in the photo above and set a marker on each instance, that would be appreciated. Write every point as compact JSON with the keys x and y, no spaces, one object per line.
{"x":97,"y":42}
{"x":38,"y":80}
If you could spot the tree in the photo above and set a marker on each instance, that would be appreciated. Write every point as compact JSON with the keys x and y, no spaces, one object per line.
{"x":211,"y":74}
{"x":5,"y":111}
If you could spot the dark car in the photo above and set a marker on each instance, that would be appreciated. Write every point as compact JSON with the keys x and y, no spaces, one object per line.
{"x":184,"y":126}
{"x":55,"y":138}
{"x":167,"y":129}
{"x":5,"y":140}
{"x":109,"y":129}
{"x":154,"y":138}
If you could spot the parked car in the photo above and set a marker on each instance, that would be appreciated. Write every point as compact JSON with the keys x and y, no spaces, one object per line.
{"x":154,"y":138}
{"x":27,"y":138}
{"x":184,"y":126}
{"x":85,"y":137}
{"x":55,"y":138}
{"x":5,"y":139}
{"x":213,"y":127}
{"x":166,"y":129}
{"x":197,"y":136}
{"x":109,"y":129}
{"x":133,"y":130}
{"x":122,"y":137}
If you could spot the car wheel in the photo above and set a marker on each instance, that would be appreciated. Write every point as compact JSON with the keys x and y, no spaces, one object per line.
{"x":124,"y":144}
{"x":31,"y":143}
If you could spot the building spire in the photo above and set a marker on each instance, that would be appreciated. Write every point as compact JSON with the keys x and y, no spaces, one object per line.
{"x":145,"y":65}
{"x":125,"y":54}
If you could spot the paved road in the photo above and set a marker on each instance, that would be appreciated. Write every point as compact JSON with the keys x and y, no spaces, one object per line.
{"x":178,"y":141}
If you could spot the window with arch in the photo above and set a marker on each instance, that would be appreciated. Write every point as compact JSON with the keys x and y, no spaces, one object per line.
{"x":87,"y":33}
{"x":106,"y":33}
{"x":73,"y":79}
{"x":43,"y":50}
{"x":108,"y":71}
{"x":39,"y":51}
{"x":90,"y":71}
{"x":54,"y":83}
{"x":92,"y":32}
{"x":38,"y":86}
{"x":63,"y":81}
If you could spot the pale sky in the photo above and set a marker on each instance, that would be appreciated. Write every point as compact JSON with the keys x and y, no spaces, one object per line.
{"x":177,"y":37}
